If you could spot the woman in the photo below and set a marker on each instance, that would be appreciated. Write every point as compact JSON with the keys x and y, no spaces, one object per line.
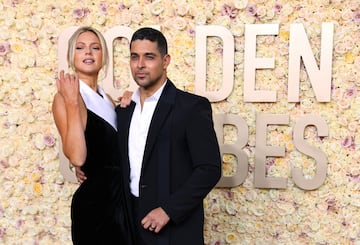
{"x":86,"y":121}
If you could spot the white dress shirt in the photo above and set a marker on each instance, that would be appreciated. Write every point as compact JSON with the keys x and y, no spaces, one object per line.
{"x":139,"y":127}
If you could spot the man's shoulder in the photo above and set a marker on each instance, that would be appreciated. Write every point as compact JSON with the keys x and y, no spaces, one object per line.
{"x":189,"y":96}
{"x":184,"y":97}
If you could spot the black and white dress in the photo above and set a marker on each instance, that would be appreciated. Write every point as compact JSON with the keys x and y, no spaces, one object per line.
{"x":98,"y":210}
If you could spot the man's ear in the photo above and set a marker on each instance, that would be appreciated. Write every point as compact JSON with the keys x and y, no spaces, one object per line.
{"x":166,"y":59}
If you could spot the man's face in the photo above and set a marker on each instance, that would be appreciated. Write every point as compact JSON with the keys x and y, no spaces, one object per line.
{"x":148,"y":68}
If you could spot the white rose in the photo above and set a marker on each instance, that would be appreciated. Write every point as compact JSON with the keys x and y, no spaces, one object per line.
{"x":182,"y":9}
{"x":136,"y":14}
{"x":238,"y":29}
{"x":38,"y":141}
{"x":240,"y":4}
{"x":50,"y":155}
{"x":23,"y":61}
{"x":7,"y":149}
{"x":125,"y":17}
{"x":261,"y":12}
{"x":315,"y":225}
{"x":100,"y":19}
{"x":200,"y":19}
{"x":179,"y":23}
{"x":223,"y":21}
{"x":156,"y":7}
{"x":10,"y":17}
{"x":128,"y":3}
{"x":36,"y":21}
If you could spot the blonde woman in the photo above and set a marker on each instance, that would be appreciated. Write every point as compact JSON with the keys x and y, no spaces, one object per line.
{"x":86,"y":120}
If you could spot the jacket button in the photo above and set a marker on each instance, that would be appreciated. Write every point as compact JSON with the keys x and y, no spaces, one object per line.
{"x":143,"y":186}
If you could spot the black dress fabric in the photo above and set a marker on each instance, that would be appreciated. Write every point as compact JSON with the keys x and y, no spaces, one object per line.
{"x":98,"y":210}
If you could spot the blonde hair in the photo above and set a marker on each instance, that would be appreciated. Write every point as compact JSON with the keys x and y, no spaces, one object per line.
{"x":72,"y":47}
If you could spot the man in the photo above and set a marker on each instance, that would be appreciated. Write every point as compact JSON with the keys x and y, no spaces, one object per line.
{"x":168,"y":148}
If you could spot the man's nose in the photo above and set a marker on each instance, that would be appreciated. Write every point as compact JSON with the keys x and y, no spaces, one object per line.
{"x":141,"y":62}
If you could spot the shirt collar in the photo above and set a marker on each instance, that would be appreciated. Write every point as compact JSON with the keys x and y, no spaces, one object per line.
{"x":155,"y":97}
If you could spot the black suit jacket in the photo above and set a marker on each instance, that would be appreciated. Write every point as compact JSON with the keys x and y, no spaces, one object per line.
{"x":181,"y":164}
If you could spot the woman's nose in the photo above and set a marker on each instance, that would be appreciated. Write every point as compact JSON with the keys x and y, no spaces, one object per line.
{"x":87,"y":50}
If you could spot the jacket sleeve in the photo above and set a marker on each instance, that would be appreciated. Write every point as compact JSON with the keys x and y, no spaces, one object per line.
{"x":205,"y":159}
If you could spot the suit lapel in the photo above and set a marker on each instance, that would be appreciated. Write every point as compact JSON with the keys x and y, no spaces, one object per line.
{"x":161,"y":113}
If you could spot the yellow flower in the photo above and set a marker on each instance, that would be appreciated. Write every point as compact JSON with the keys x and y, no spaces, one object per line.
{"x":37,"y":188}
{"x":287,"y":137}
{"x":227,"y":167}
{"x":16,"y":47}
{"x":26,"y":180}
{"x":291,"y":228}
{"x":189,"y":43}
{"x":306,"y":164}
{"x":349,"y":58}
{"x":285,"y":35}
{"x":280,"y":162}
{"x":227,"y":157}
{"x":258,"y":226}
{"x":35,"y":177}
{"x":290,"y":146}
{"x":4,"y":203}
{"x":231,"y":237}
{"x":241,"y":189}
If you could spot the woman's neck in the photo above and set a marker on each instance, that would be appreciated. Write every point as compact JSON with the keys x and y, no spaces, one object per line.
{"x":91,"y":81}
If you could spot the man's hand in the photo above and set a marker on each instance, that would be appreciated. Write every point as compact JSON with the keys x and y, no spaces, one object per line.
{"x":155,"y":220}
{"x":80,"y":175}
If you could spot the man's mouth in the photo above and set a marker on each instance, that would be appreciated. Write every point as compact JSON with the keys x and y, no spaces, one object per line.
{"x":140,"y":74}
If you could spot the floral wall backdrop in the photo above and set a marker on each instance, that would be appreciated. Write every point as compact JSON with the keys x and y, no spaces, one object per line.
{"x":35,"y":198}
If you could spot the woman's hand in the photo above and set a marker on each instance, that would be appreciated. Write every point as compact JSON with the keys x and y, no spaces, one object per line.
{"x":68,"y":87}
{"x":125,"y":99}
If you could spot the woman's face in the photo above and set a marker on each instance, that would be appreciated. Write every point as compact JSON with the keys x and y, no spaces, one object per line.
{"x":88,"y":54}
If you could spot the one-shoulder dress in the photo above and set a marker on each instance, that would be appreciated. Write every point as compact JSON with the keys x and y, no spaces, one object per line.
{"x":98,"y":210}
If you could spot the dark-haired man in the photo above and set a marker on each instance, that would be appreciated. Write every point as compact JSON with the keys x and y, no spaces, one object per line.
{"x":168,"y":147}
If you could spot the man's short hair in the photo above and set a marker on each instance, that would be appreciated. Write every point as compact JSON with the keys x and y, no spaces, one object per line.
{"x":153,"y":35}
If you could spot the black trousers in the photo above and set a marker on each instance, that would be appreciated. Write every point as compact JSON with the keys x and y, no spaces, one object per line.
{"x":136,"y":217}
